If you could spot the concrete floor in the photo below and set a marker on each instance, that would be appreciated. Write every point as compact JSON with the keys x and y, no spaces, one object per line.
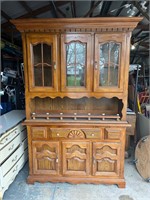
{"x":136,"y":189}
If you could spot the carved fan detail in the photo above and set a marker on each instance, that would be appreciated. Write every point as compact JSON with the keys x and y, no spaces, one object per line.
{"x":76,"y":134}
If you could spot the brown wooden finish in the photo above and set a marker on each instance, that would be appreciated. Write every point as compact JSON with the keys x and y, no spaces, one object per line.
{"x":76,"y":124}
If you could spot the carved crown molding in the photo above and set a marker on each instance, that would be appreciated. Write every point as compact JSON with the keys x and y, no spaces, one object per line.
{"x":77,"y":24}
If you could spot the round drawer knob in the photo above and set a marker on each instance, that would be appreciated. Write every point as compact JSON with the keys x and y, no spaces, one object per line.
{"x":57,"y":134}
{"x":92,"y":134}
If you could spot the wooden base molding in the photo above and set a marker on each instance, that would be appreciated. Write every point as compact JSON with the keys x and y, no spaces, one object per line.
{"x":76,"y":180}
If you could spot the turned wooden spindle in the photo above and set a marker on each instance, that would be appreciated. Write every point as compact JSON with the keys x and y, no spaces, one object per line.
{"x":61,"y":118}
{"x":89,"y":116}
{"x":47,"y":115}
{"x":33,"y":115}
{"x":118,"y":118}
{"x":103,"y":117}
{"x":75,"y":118}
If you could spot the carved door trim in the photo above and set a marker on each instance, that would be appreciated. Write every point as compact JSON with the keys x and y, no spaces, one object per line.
{"x":76,"y":155}
{"x":106,"y":159}
{"x":46,"y":157}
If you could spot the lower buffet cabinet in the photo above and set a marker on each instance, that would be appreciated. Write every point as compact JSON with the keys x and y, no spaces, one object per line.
{"x":13,"y":155}
{"x":77,"y":155}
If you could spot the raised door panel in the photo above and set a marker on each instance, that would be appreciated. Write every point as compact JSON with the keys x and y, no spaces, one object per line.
{"x":46,"y":158}
{"x":75,"y":62}
{"x":42,"y":62}
{"x":76,"y":158}
{"x":109,"y":62}
{"x":106,"y":158}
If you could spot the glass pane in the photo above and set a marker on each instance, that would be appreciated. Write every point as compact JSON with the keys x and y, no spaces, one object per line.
{"x":114,"y":53}
{"x":47,"y":54}
{"x":37,"y":54}
{"x":109,"y":63}
{"x":113,"y":76}
{"x":47,"y":76}
{"x":76,"y":61}
{"x":38,"y":75}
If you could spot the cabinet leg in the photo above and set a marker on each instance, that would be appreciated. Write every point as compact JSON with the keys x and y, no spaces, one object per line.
{"x":121,"y":185}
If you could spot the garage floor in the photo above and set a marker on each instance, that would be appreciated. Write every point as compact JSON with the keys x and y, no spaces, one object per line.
{"x":136,"y":189}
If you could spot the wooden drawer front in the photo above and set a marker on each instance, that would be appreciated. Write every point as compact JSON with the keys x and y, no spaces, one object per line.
{"x":7,"y":150}
{"x":113,"y":133}
{"x":12,"y":160}
{"x":93,"y":133}
{"x":58,"y":132}
{"x":8,"y":136}
{"x":39,"y":132}
{"x":10,"y":176}
{"x":75,"y":133}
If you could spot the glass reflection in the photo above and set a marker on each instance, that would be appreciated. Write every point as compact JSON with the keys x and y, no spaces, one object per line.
{"x":42,"y":59}
{"x":75,"y":63}
{"x":109,"y":64}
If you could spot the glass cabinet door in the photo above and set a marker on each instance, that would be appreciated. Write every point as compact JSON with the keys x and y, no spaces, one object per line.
{"x":109,"y":63}
{"x":42,"y":62}
{"x":75,"y":62}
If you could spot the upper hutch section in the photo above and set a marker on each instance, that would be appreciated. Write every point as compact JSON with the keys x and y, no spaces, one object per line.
{"x":76,"y":57}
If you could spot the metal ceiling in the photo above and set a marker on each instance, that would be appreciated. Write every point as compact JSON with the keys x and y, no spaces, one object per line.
{"x":73,"y":9}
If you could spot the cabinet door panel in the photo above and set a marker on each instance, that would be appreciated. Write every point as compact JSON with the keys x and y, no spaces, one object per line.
{"x":42,"y":62}
{"x":46,"y":159}
{"x":109,"y":62}
{"x":75,"y":62}
{"x":106,"y":159}
{"x":76,"y":157}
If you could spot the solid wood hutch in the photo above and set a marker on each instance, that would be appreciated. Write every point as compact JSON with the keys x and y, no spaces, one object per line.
{"x":76,"y":75}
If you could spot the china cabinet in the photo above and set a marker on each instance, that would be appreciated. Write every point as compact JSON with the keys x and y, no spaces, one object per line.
{"x":76,"y":73}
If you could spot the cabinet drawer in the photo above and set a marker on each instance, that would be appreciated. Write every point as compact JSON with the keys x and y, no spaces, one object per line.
{"x":58,"y":132}
{"x":7,"y":150}
{"x":39,"y":132}
{"x":75,"y":133}
{"x":113,"y":133}
{"x":8,"y":136}
{"x":10,"y":176}
{"x":93,"y":133}
{"x":7,"y":165}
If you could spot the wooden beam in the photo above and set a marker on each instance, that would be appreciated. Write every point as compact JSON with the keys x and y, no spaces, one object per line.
{"x":142,"y":39}
{"x":137,"y":34}
{"x":73,"y":8}
{"x":92,"y":9}
{"x":25,"y":6}
{"x":143,"y":11}
{"x":39,"y":11}
{"x":61,"y":12}
{"x":121,"y":8}
{"x":5,"y":15}
{"x":92,"y":4}
{"x":105,"y":8}
{"x":144,"y":27}
{"x":54,"y":10}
